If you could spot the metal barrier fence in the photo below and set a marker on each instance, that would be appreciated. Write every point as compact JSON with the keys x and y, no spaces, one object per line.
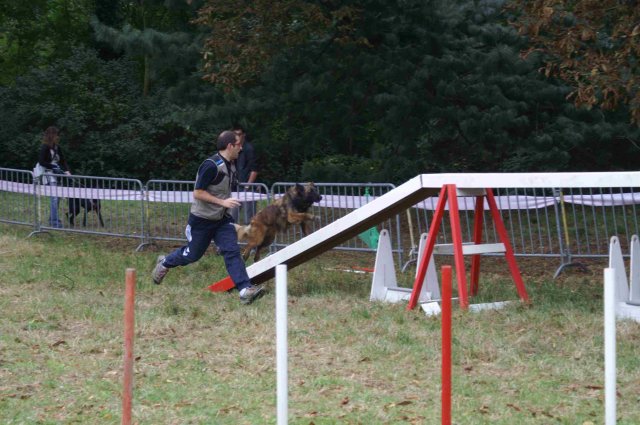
{"x":88,"y":204}
{"x":168,"y":203}
{"x":565,"y":223}
{"x":591,"y":217}
{"x":529,"y":217}
{"x":338,"y":200}
{"x":17,"y":197}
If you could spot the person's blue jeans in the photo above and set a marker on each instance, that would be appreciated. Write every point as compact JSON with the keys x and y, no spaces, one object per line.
{"x":54,"y":220}
{"x":200,"y":232}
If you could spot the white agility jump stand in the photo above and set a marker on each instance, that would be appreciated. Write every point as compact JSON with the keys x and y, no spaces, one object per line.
{"x":620,"y":302}
{"x":384,"y":285}
{"x":627,"y":292}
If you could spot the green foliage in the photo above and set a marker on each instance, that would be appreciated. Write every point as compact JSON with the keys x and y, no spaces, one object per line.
{"x":369,"y":90}
{"x":107,"y":127}
{"x":435,"y":87}
{"x":244,"y":37}
{"x":35,"y":32}
{"x":159,"y":35}
{"x":592,"y":45}
{"x":342,"y":168}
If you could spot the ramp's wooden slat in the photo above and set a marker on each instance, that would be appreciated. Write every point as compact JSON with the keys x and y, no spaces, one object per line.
{"x":333,"y":234}
{"x":532,"y":180}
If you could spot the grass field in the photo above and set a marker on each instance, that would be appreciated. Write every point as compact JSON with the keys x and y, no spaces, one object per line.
{"x":203,"y":358}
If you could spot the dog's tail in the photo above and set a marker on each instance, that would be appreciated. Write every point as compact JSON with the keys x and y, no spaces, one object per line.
{"x":242,"y":231}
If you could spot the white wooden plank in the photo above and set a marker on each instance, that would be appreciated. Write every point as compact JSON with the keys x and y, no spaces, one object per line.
{"x":469,"y":248}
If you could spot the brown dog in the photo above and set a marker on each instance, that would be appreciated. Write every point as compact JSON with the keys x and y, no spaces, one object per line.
{"x":289,"y":209}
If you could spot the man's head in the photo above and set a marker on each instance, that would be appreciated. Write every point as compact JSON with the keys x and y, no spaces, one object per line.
{"x":228,"y":144}
{"x":239,"y":131}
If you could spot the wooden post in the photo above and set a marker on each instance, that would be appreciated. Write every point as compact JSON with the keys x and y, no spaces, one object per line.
{"x":446,"y":345}
{"x":129,"y":305}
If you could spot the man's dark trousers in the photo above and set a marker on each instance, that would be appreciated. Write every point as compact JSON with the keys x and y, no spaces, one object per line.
{"x":200,"y":232}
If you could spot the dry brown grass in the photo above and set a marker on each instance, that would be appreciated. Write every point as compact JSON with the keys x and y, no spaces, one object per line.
{"x":204,"y":358}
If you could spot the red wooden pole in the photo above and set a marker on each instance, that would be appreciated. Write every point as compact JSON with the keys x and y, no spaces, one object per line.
{"x":446,"y":345}
{"x":456,"y":238}
{"x":477,"y":239}
{"x":428,"y":249}
{"x":504,"y":238}
{"x":129,"y":304}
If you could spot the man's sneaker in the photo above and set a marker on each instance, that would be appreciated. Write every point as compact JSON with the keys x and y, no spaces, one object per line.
{"x":160,"y":271}
{"x":250,"y":294}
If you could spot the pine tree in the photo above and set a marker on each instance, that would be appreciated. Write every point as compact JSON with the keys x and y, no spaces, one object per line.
{"x":422,"y":86}
{"x":160,"y":34}
{"x":37,"y":32}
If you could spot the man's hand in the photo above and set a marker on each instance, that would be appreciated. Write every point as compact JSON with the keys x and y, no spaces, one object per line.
{"x":231,"y":203}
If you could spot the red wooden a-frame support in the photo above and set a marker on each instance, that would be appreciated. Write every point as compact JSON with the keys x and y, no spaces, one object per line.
{"x":449,"y":192}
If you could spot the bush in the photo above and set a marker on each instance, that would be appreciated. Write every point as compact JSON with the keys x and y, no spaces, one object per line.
{"x":107,"y":127}
{"x":342,"y":168}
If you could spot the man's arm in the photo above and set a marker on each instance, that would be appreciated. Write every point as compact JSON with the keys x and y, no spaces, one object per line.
{"x":204,"y":196}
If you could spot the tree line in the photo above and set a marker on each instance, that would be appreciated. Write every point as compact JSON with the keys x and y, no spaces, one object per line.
{"x":355,"y":90}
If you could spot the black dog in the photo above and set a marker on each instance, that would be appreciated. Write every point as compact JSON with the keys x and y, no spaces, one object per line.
{"x":86,"y":205}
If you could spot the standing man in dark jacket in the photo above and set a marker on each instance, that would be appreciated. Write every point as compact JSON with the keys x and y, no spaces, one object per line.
{"x":247,"y":166}
{"x":210,"y":220}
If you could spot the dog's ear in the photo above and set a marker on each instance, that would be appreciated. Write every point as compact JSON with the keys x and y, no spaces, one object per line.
{"x":299,"y":188}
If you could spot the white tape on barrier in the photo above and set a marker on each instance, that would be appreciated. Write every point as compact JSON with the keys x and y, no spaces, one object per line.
{"x":465,"y":203}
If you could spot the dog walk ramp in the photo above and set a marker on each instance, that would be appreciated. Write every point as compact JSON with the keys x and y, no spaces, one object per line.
{"x":409,"y":194}
{"x":333,"y":234}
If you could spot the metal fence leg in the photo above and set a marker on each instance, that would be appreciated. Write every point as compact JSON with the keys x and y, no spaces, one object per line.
{"x":566,"y":260}
{"x":145,"y":234}
{"x":37,"y":227}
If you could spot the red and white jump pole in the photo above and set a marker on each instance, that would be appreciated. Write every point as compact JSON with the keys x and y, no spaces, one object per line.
{"x":129,"y":304}
{"x":446,"y":345}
